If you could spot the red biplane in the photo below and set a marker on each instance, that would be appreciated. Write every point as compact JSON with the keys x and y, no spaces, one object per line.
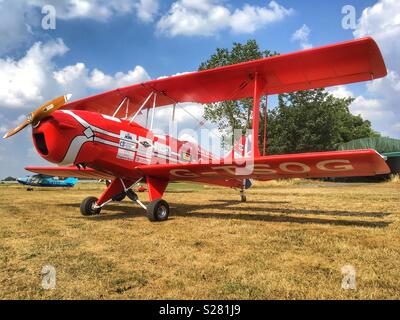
{"x":97,"y":137}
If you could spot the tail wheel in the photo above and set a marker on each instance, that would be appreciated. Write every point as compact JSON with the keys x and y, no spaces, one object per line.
{"x":88,"y":207}
{"x":158,"y":210}
{"x":243,"y":198}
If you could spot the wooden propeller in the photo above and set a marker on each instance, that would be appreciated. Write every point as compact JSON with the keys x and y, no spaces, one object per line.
{"x":40,"y":113}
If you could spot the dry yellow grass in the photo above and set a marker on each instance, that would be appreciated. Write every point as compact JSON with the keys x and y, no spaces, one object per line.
{"x":287,"y":242}
{"x":395,"y":178}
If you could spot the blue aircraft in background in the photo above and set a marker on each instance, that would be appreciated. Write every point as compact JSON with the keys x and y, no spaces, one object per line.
{"x":40,"y":180}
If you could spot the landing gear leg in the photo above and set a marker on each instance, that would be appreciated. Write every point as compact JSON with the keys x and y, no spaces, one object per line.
{"x":242,"y":196}
{"x":158,"y":209}
{"x":116,"y":191}
{"x":134,"y":197}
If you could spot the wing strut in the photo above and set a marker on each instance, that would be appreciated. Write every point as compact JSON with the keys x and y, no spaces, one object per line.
{"x":265,"y":126}
{"x":119,"y":107}
{"x":173,"y":112}
{"x":141,"y":107}
{"x":256,"y":112}
{"x":153,"y":111}
{"x":127,"y":109}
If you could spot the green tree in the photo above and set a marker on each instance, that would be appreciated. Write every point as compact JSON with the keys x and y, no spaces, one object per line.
{"x":10,"y":179}
{"x":233,"y":114}
{"x":313,"y":120}
{"x":303,"y":121}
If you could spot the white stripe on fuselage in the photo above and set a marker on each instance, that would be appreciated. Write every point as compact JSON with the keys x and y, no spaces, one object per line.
{"x":86,"y":125}
{"x":78,"y":142}
{"x":73,"y":150}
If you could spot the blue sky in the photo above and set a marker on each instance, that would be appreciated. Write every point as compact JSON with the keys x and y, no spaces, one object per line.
{"x":125,"y":41}
{"x":98,"y":45}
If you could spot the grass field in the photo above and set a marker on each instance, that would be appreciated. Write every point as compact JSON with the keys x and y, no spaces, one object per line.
{"x":289,"y":241}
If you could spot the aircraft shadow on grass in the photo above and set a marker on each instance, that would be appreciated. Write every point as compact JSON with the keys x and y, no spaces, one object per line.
{"x":122,"y":211}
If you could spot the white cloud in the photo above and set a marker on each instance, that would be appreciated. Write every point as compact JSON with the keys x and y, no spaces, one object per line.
{"x":302,"y":35}
{"x":35,"y":78}
{"x":147,"y":10}
{"x":78,"y":76}
{"x":101,"y":10}
{"x":388,"y":91}
{"x":382,"y":85}
{"x":174,"y":75}
{"x":251,"y":18}
{"x":24,"y":81}
{"x":208,"y":17}
{"x":20,"y":21}
{"x":382,"y":22}
{"x":340,"y":92}
{"x":370,"y":108}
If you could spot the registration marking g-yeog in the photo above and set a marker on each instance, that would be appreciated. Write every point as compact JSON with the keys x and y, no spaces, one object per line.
{"x":266,"y":169}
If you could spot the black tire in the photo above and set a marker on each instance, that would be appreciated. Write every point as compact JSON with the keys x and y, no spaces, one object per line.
{"x":87,"y":207}
{"x":119,"y":197}
{"x":158,"y":210}
{"x":243,"y":199}
{"x":132,"y":195}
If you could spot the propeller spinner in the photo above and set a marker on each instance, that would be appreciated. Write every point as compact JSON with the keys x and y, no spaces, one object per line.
{"x":40,"y":113}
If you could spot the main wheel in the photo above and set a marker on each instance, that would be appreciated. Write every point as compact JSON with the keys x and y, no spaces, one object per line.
{"x":158,"y":210}
{"x":88,"y":207}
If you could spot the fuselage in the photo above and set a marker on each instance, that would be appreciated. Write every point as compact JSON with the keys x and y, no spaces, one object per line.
{"x":108,"y":144}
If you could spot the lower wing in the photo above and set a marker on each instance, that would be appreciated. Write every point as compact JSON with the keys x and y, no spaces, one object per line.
{"x":307,"y":165}
{"x":88,"y":173}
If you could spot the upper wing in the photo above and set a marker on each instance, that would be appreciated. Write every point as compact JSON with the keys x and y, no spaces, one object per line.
{"x":347,"y":62}
{"x":307,"y":165}
{"x":67,"y":172}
